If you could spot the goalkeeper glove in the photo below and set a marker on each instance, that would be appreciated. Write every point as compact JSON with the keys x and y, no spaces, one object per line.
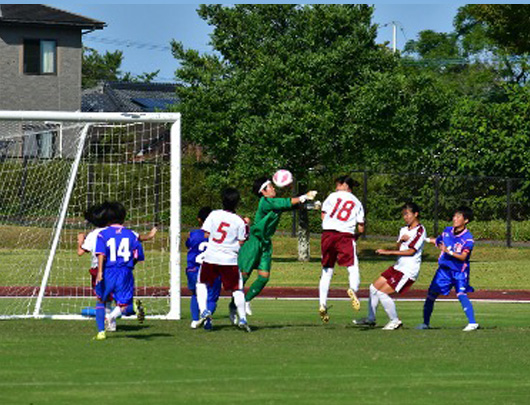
{"x":310,"y":195}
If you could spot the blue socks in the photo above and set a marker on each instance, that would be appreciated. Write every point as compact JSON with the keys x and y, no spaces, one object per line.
{"x":100,"y":316}
{"x":428,"y":307}
{"x":194,"y":307}
{"x":467,"y":307}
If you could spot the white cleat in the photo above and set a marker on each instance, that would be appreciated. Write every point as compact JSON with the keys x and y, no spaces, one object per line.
{"x":110,"y":325}
{"x":471,"y":326}
{"x":248,"y":309}
{"x":194,"y":324}
{"x":393,"y":325}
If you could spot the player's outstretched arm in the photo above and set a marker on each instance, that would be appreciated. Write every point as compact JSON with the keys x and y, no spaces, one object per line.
{"x":148,"y":236}
{"x":309,"y":196}
{"x":388,"y":252}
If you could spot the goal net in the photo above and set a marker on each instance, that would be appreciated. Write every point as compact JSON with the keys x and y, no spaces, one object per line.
{"x":53,"y":166}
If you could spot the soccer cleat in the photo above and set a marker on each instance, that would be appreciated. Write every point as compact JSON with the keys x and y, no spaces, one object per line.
{"x":471,"y":326}
{"x":100,"y":336}
{"x":244,"y":325}
{"x":423,"y":326}
{"x":232,"y":313}
{"x":110,"y":325}
{"x":248,"y":309}
{"x":208,"y":324}
{"x":140,"y":311}
{"x":356,"y":305}
{"x":204,"y":316}
{"x":323,"y":312}
{"x":393,"y":325}
{"x":364,"y":322}
{"x":194,"y":324}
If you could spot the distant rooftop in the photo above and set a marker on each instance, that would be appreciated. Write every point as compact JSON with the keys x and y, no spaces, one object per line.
{"x":40,"y":14}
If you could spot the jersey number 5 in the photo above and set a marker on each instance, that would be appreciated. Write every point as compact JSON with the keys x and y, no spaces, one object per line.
{"x":222,"y":231}
{"x":123,"y":250}
{"x":344,"y":212}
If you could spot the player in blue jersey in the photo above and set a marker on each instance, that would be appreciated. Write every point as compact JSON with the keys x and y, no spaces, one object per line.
{"x":196,"y":244}
{"x":118,"y":250}
{"x":456,"y":245}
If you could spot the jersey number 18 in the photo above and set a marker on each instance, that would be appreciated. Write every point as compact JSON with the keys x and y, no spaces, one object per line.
{"x":343,"y":212}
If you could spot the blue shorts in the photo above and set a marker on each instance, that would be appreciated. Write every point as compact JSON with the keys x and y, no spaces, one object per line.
{"x":213,"y":292}
{"x":118,"y":283}
{"x":444,"y":280}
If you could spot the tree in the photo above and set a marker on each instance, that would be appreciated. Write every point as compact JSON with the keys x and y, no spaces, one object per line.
{"x":294,"y":87}
{"x":98,"y":68}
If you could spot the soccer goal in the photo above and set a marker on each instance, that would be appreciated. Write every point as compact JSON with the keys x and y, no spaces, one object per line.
{"x":53,"y":166}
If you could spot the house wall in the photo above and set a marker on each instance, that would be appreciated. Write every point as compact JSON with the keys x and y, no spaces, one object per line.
{"x":60,"y":92}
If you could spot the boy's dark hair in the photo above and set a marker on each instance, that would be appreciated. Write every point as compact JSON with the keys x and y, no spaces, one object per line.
{"x":96,"y":215}
{"x":348,"y":180}
{"x":230,"y":198}
{"x":412,"y":206}
{"x":257,"y":185}
{"x":203,"y":213}
{"x":466,"y":212}
{"x":114,"y":212}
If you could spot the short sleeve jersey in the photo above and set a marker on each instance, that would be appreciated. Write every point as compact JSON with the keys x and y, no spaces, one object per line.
{"x":121,"y":247}
{"x":89,"y":245}
{"x":343,"y":211}
{"x":226,"y":230}
{"x":196,"y":244}
{"x":457,"y":243}
{"x":268,"y":216}
{"x":410,"y":265}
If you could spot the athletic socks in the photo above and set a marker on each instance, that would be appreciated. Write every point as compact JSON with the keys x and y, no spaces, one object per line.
{"x":325,"y":282}
{"x":467,"y":307}
{"x":428,"y":307}
{"x":194,"y":307}
{"x":354,"y":277}
{"x":100,"y":316}
{"x":256,"y":287}
{"x":202,"y":296}
{"x":389,"y":305}
{"x":239,"y":301}
{"x":373,"y":302}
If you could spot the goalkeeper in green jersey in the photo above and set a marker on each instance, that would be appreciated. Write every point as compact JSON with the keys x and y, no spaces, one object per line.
{"x":256,"y":253}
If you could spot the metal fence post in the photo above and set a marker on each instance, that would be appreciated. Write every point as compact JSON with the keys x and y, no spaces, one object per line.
{"x":293,"y":215}
{"x":508,"y":212}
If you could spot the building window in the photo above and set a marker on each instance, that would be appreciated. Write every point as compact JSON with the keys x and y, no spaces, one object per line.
{"x":40,"y":57}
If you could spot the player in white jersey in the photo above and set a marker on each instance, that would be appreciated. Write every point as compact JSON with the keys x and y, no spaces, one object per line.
{"x":397,"y":279}
{"x":226,"y":232}
{"x":342,"y":223}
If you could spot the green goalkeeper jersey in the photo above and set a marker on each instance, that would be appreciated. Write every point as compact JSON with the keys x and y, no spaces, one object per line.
{"x":268,"y":216}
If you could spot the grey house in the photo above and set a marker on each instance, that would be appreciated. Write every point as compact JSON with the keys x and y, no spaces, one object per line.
{"x":40,"y":57}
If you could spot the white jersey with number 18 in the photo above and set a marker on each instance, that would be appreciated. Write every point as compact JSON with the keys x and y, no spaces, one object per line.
{"x":342,"y":212}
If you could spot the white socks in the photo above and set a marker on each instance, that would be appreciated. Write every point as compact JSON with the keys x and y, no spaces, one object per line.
{"x":354,"y":277}
{"x":325,"y":282}
{"x":386,"y":300}
{"x":373,"y":302}
{"x":114,"y":313}
{"x":202,"y":296}
{"x":239,"y":301}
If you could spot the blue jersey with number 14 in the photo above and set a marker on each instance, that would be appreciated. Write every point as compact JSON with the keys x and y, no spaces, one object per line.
{"x":121,"y":248}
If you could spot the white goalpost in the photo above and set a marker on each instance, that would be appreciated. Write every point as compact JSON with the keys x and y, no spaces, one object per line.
{"x":53,"y":167}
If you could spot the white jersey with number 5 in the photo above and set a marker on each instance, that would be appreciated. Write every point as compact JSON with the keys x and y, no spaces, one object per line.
{"x":342,"y":212}
{"x":226,"y":229}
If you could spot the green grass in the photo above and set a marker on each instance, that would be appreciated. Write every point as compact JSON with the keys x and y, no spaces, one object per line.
{"x":290,"y":358}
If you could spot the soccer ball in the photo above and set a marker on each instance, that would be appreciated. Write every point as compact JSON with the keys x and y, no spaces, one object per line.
{"x":282,"y":178}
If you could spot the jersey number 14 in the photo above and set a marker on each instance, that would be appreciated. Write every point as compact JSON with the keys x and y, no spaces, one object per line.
{"x":123,"y":250}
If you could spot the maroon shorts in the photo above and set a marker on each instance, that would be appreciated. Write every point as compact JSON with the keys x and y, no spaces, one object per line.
{"x":93,"y":274}
{"x":230,"y":275}
{"x":397,"y":280}
{"x":338,"y":247}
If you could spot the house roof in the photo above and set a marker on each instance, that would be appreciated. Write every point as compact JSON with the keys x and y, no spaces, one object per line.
{"x":40,"y":14}
{"x":128,"y":97}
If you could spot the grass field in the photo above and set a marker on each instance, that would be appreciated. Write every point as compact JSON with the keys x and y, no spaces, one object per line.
{"x":290,"y":358}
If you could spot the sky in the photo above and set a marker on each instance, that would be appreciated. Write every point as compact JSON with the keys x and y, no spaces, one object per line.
{"x":144,"y":31}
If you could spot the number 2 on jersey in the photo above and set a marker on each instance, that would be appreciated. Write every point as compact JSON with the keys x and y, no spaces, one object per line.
{"x":344,"y":212}
{"x":123,"y":250}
